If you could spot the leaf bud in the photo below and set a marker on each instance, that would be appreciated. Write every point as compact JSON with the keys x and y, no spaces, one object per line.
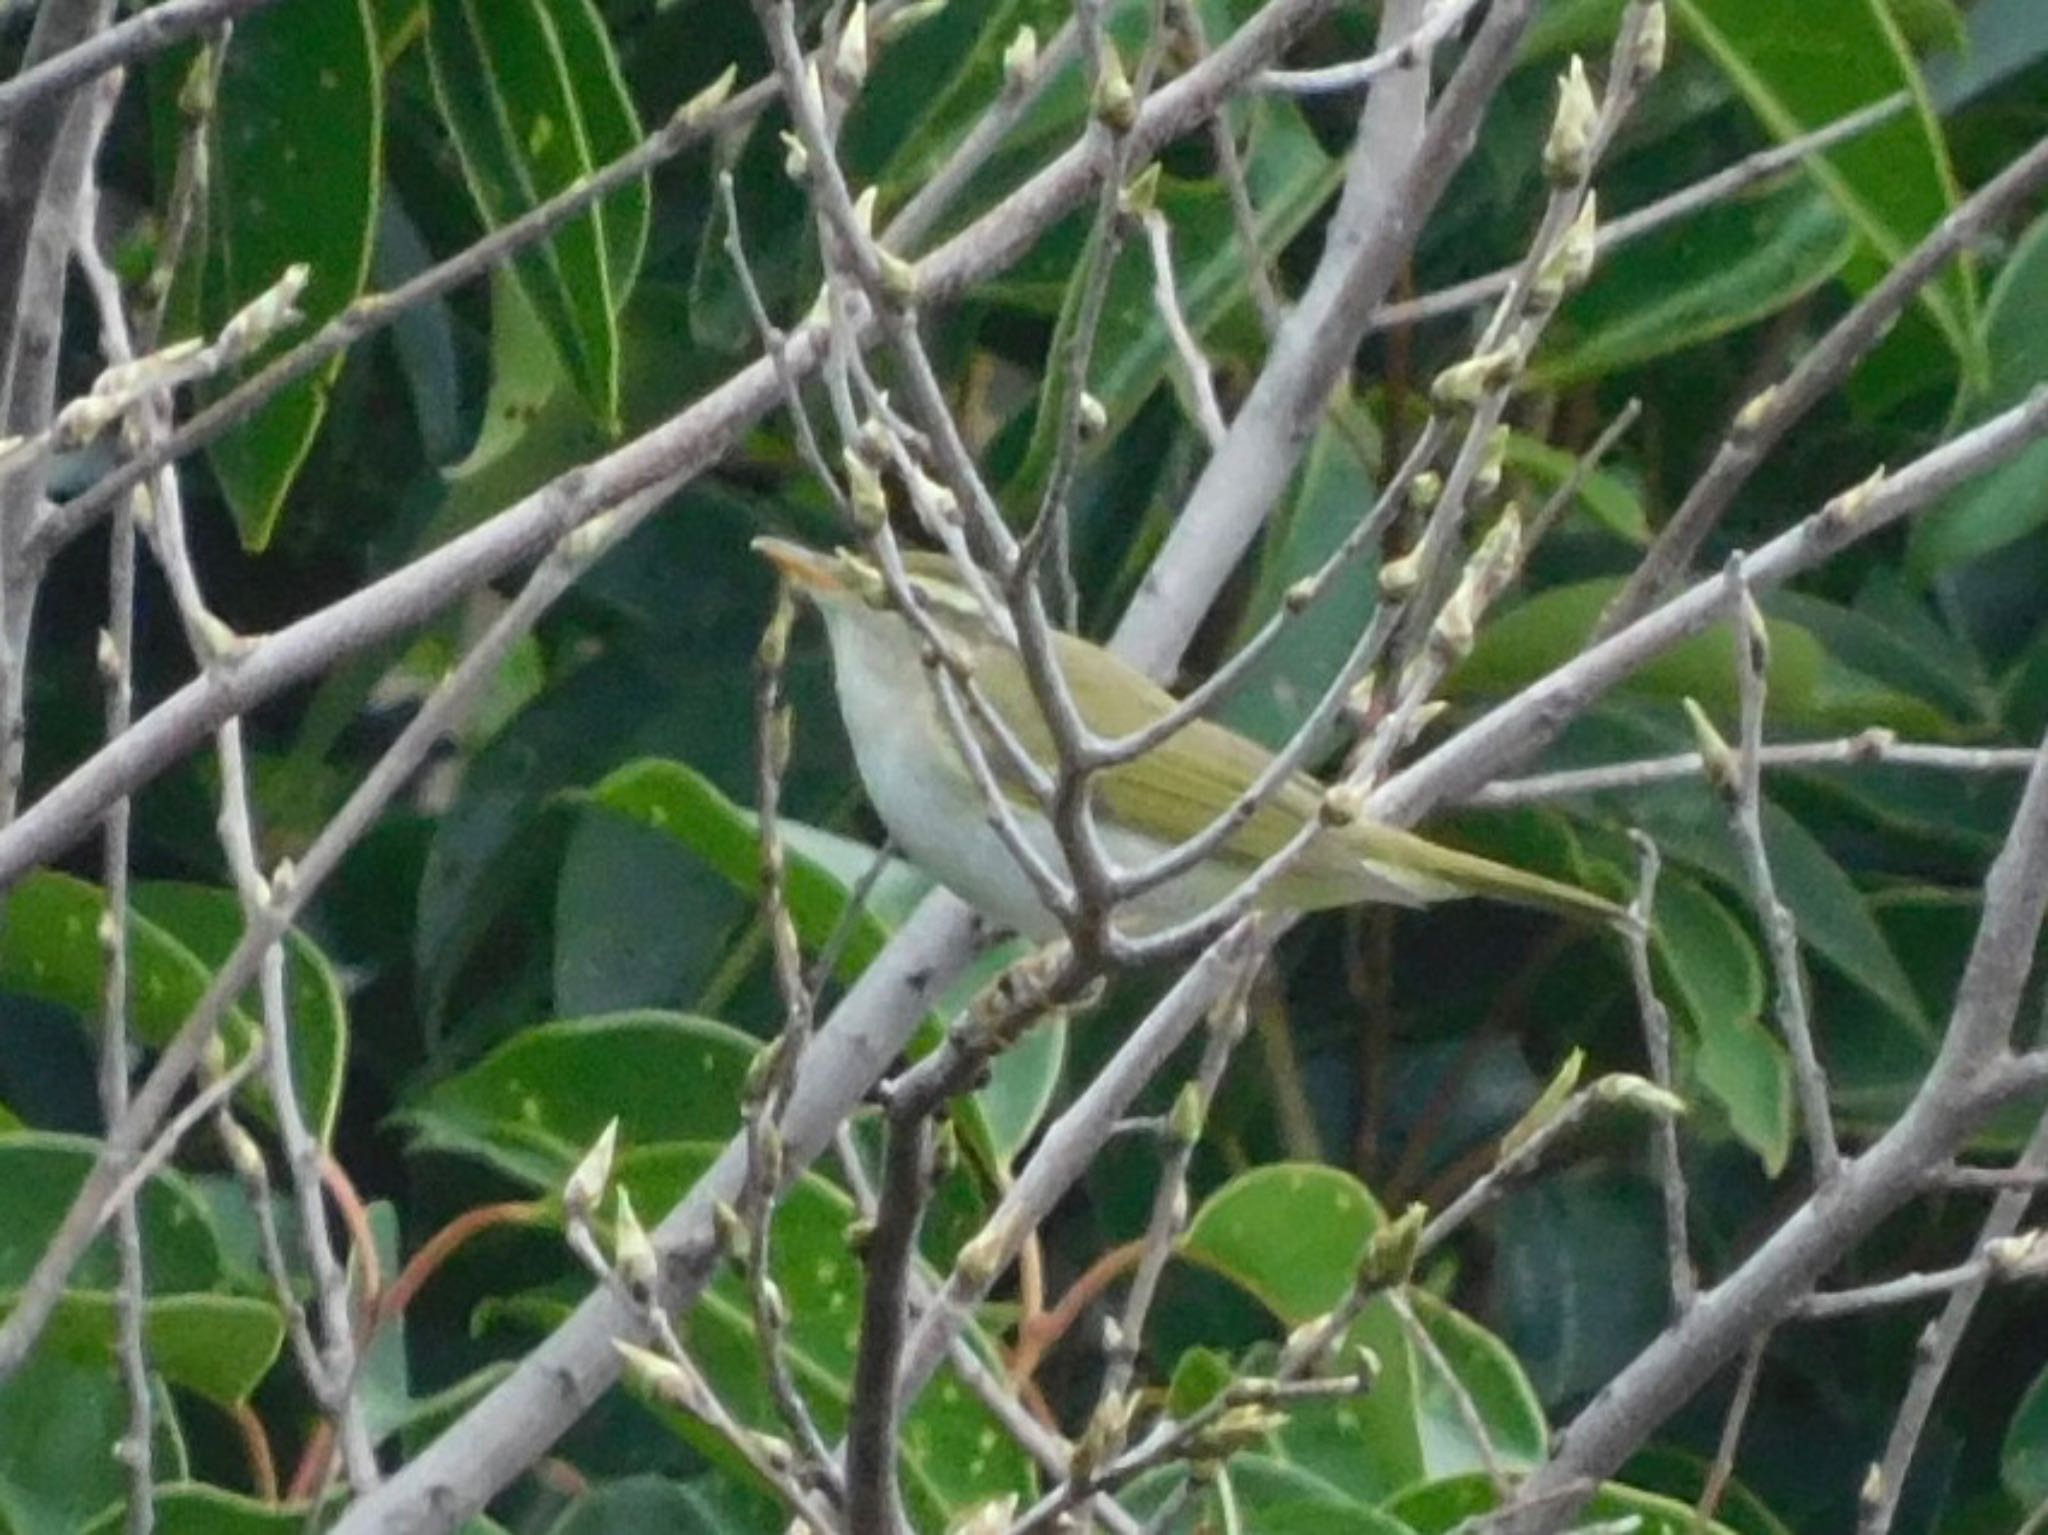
{"x":1116,"y":103}
{"x":584,"y":1191}
{"x":1652,"y":42}
{"x":1399,"y":578}
{"x":869,"y":497}
{"x":698,"y":110}
{"x":850,"y":61}
{"x":1390,"y":1253}
{"x":632,"y":1253}
{"x":1625,"y":1089}
{"x":1541,"y":1114}
{"x":1184,"y":1120}
{"x":658,"y":1375}
{"x":1717,"y":758}
{"x":1463,"y":384}
{"x":1020,"y":60}
{"x":1568,"y":151}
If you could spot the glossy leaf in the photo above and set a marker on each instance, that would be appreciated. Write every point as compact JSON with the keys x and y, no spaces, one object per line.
{"x":295,"y":155}
{"x":1333,"y":490}
{"x":1441,"y":1506}
{"x":1993,"y":510}
{"x":536,"y":1103}
{"x":219,"y":1346}
{"x":50,"y":949}
{"x":680,"y":802}
{"x":1290,"y":177}
{"x":2023,"y":1463}
{"x":533,"y":101}
{"x":1716,"y":977}
{"x":1810,"y":688}
{"x":195,"y":1509}
{"x":1290,"y":1234}
{"x":1800,"y":68}
{"x":1702,"y":278}
{"x":40,"y":1173}
{"x":1491,"y":1381}
{"x":208,"y":921}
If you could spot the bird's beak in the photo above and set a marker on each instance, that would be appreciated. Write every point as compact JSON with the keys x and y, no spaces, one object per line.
{"x":805,"y":569}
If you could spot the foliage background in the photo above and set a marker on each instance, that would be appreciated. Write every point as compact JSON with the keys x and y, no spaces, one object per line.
{"x":556,"y":924}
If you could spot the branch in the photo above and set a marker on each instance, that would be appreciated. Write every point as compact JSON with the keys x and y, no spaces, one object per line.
{"x":1971,"y":1079}
{"x":1399,"y":168}
{"x":139,"y":37}
{"x":1530,"y":720}
{"x":1876,"y":746}
{"x":1761,"y":424}
{"x":661,"y":460}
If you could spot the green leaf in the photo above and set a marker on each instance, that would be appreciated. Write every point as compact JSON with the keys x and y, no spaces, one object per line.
{"x":1993,"y":510}
{"x":1748,"y":1070}
{"x":195,"y":1509}
{"x":1491,"y":1379}
{"x":533,"y":101}
{"x":219,"y":1346}
{"x":58,"y":1420}
{"x":1022,"y":1084}
{"x":1830,"y":911}
{"x":823,"y":868}
{"x":536,"y":423}
{"x":1200,"y":1376}
{"x":1802,"y":67}
{"x":1333,"y":491}
{"x":40,"y":1174}
{"x":2023,"y":1460}
{"x":296,"y":155}
{"x":50,"y":949}
{"x":1716,"y":975}
{"x":1702,"y":278}
{"x":1609,"y":498}
{"x":651,"y":1505}
{"x":1440,"y":1506}
{"x":208,"y":922}
{"x":1810,"y":687}
{"x":533,"y":1106}
{"x":1290,"y":1234}
{"x":1289,"y":176}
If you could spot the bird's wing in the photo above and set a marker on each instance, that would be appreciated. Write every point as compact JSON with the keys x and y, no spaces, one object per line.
{"x":1172,"y":797}
{"x":1205,"y":765}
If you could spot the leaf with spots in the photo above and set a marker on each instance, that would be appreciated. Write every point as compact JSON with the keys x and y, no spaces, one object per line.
{"x":532,"y":1107}
{"x":531,"y":94}
{"x":178,"y":933}
{"x":295,"y":150}
{"x":1291,"y":1234}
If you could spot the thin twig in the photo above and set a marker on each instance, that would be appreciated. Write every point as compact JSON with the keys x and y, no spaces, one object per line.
{"x":1722,"y":186}
{"x":1938,"y":1344}
{"x":1781,"y":936}
{"x":1875,"y":746}
{"x":1657,"y":1046}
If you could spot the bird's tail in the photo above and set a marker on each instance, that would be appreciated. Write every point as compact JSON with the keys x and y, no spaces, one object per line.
{"x":1436,"y":873}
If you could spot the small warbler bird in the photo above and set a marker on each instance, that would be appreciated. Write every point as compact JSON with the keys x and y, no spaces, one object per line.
{"x":929,"y":798}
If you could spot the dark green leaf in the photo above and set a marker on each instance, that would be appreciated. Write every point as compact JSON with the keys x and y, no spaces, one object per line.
{"x":533,"y":101}
{"x":296,"y":154}
{"x":1700,"y":279}
{"x":535,"y":1104}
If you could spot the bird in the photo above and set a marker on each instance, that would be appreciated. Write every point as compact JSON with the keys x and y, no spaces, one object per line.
{"x":934,"y":806}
